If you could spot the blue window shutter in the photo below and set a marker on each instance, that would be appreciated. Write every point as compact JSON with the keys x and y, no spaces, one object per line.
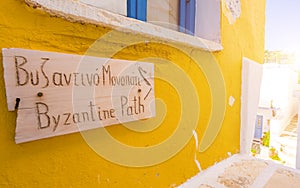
{"x":137,"y":9}
{"x":131,"y":8}
{"x":190,"y":17}
{"x":182,"y":8}
{"x":258,"y":127}
{"x":187,"y":10}
{"x":142,"y":10}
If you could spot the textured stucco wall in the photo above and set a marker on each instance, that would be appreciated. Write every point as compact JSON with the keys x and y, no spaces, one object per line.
{"x":68,"y":161}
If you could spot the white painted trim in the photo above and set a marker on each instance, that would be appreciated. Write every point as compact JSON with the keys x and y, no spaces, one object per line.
{"x":297,"y":94}
{"x":251,"y":81}
{"x":74,"y":10}
{"x":207,"y":21}
{"x":298,"y":140}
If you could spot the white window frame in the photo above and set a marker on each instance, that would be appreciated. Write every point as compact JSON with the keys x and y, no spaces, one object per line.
{"x":95,"y":15}
{"x":207,"y":21}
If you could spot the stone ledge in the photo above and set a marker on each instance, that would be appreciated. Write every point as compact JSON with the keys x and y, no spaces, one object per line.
{"x":78,"y":12}
{"x":247,"y":172}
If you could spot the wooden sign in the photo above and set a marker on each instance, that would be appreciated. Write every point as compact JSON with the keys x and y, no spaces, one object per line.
{"x":57,"y":93}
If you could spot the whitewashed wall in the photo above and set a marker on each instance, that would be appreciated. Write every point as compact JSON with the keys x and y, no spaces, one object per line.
{"x":278,"y":84}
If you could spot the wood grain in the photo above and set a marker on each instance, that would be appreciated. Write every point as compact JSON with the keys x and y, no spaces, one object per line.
{"x":57,"y":93}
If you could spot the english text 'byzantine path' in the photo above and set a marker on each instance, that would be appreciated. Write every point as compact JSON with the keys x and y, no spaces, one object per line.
{"x":57,"y":93}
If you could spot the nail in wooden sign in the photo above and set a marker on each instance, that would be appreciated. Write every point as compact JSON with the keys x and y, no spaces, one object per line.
{"x":57,"y":93}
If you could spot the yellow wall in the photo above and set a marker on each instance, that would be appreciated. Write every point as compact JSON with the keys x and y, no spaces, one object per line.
{"x":68,"y":161}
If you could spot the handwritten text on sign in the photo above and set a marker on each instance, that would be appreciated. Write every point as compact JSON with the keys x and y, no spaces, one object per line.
{"x":58,"y":93}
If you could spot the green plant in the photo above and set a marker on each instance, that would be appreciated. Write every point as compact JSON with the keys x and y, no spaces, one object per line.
{"x":273,"y":154}
{"x":253,"y":151}
{"x":266,"y":139}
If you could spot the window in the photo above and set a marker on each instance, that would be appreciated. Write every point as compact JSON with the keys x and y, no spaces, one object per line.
{"x":195,"y":17}
{"x":200,"y":18}
{"x":176,"y":14}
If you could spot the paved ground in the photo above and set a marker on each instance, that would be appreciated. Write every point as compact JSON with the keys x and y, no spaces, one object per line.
{"x":240,"y":171}
{"x":288,"y":141}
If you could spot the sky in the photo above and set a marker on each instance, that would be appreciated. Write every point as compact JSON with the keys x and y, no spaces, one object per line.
{"x":283,"y":25}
